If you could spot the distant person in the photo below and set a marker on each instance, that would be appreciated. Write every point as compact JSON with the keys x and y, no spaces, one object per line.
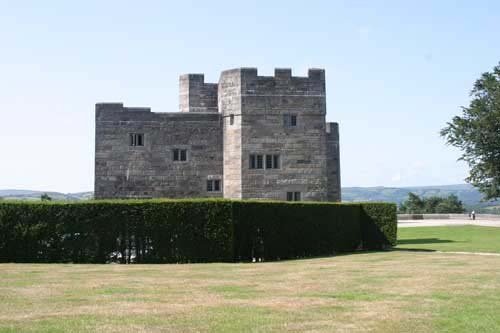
{"x":473,"y":214}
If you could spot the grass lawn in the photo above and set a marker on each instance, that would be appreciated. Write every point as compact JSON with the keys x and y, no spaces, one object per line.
{"x":451,"y":238}
{"x":397,"y":291}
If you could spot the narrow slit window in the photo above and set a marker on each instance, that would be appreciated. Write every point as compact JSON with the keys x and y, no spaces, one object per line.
{"x":269,"y":161}
{"x":290,"y":120}
{"x":260,"y":162}
{"x":136,"y":139}
{"x":276,"y":161}
{"x":231,"y":119}
{"x":179,"y":155}
{"x":293,"y":196}
{"x":252,"y":163}
{"x":213,"y":185}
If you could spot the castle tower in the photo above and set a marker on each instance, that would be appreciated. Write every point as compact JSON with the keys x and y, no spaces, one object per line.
{"x":195,"y":95}
{"x":275,"y":139}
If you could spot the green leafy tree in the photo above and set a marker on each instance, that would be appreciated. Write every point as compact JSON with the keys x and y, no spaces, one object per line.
{"x":431,"y":205}
{"x":449,"y":205}
{"x":412,"y":205}
{"x":477,"y":133}
{"x":45,"y":197}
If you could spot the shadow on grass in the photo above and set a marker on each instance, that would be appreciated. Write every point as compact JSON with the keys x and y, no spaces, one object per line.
{"x":398,"y":249}
{"x":423,"y":241}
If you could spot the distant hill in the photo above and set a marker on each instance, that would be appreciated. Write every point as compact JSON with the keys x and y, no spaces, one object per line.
{"x":465,"y":192}
{"x":35,"y":195}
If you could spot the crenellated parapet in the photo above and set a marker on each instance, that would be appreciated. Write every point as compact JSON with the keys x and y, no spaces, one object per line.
{"x":118,"y":107}
{"x":195,"y":95}
{"x":283,"y":83}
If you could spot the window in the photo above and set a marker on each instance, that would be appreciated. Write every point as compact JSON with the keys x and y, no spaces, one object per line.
{"x":292,"y":196}
{"x":276,"y":161}
{"x":272,"y":161}
{"x":213,"y":185}
{"x":260,"y":162}
{"x":290,"y":120}
{"x":180,"y":155}
{"x":269,"y":161}
{"x":231,"y":119}
{"x":256,"y":161}
{"x":136,"y":139}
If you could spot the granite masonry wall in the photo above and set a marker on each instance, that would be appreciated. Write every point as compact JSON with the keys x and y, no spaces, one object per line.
{"x":265,"y":103}
{"x":124,"y":171}
{"x":195,"y":95}
{"x":333,"y":162}
{"x":220,"y":126}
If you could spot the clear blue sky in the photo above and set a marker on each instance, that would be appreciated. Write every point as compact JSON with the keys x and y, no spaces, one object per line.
{"x":396,"y":72}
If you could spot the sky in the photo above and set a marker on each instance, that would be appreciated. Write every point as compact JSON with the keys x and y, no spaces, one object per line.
{"x":396,"y":72}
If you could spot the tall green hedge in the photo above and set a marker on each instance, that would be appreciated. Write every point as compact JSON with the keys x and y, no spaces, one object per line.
{"x":378,"y":225}
{"x":277,"y":230}
{"x":168,"y":231}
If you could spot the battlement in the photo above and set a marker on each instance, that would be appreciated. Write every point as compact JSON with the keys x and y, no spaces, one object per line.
{"x":282,"y":83}
{"x":195,"y":95}
{"x":119,"y":107}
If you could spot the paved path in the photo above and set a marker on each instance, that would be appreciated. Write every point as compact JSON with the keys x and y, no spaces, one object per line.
{"x":435,"y":223}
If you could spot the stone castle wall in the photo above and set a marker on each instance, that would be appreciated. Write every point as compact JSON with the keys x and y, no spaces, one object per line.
{"x":333,"y":162}
{"x":265,"y":102}
{"x":124,"y":171}
{"x":220,"y":126}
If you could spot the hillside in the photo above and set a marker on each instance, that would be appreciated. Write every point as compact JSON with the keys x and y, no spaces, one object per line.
{"x":466,"y":193}
{"x":35,"y":195}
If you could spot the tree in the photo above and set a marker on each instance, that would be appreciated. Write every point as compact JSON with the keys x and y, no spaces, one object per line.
{"x":477,"y":133}
{"x":412,"y":205}
{"x":449,"y":205}
{"x":45,"y":197}
{"x":431,"y":205}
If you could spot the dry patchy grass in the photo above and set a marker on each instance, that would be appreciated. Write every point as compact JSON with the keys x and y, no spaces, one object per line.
{"x":378,"y":292}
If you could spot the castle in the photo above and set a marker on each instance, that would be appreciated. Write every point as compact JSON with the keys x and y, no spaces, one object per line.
{"x":246,"y":137}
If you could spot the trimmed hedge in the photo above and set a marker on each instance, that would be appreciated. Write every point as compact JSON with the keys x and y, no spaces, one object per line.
{"x":179,"y":231}
{"x":378,"y":225}
{"x":274,"y":230}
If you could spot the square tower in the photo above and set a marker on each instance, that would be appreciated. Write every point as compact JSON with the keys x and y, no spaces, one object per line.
{"x":274,"y":135}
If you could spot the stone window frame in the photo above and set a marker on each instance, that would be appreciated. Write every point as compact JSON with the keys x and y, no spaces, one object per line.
{"x":177,"y":155}
{"x":214,"y":185}
{"x":290,"y":120}
{"x":136,"y":140}
{"x":274,"y":160}
{"x":293,"y":196}
{"x":258,"y":161}
{"x":231,"y":119}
